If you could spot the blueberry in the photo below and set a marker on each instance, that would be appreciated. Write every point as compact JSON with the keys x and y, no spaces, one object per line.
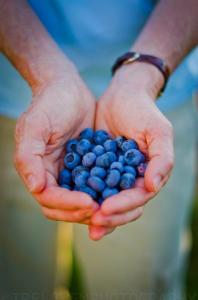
{"x":87,"y":133}
{"x":106,"y":159}
{"x":121,"y":159}
{"x":71,"y":145}
{"x":64,"y":177}
{"x":96,"y":183}
{"x":110,"y":145}
{"x":113,"y":178}
{"x":66,"y":186}
{"x":75,"y":188}
{"x":129,"y":144}
{"x":83,"y":146}
{"x":98,"y":150}
{"x":112,"y":156}
{"x":119,"y":140}
{"x":108,"y":192}
{"x":127,"y":181}
{"x":98,"y":171}
{"x":141,"y":168}
{"x":89,"y":191}
{"x":78,"y":170}
{"x":71,"y":160}
{"x":118,"y":166}
{"x":100,"y":136}
{"x":131,"y":170}
{"x":134,"y":157}
{"x":89,"y":159}
{"x":81,"y":179}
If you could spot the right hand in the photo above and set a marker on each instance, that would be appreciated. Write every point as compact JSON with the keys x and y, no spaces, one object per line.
{"x":59,"y":111}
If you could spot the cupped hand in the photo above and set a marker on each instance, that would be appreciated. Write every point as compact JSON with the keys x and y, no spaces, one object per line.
{"x":58,"y":112}
{"x":128,"y":108}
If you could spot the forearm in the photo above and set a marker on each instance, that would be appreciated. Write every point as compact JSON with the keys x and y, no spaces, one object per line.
{"x":171,"y":32}
{"x":26,"y":43}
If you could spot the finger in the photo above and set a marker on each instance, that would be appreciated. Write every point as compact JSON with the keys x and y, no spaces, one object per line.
{"x":77,"y":216}
{"x":126,"y":201}
{"x":116,"y":220}
{"x":97,"y":232}
{"x":30,"y":149}
{"x":161,"y":158}
{"x":62,"y":199}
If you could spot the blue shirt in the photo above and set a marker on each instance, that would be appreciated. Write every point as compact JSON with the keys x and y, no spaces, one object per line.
{"x":93,"y":34}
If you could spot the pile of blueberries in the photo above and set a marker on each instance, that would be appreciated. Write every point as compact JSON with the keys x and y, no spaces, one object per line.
{"x":101,"y":166}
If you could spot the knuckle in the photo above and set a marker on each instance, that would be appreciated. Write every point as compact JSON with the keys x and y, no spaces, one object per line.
{"x":50,"y":214}
{"x":109,"y":222}
{"x":46,"y":213}
{"x":79,"y":216}
{"x":170,"y":163}
{"x":140,"y":212}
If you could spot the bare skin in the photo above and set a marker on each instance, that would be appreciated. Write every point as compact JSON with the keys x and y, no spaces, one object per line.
{"x":127,"y":107}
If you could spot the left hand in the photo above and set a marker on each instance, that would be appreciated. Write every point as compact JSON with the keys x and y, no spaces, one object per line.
{"x":128,"y":108}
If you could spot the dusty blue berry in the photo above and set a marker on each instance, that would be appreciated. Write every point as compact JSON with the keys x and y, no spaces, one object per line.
{"x":78,"y":170}
{"x":83,"y":146}
{"x":119,"y":140}
{"x":105,"y":160}
{"x":134,"y":157}
{"x":100,"y":136}
{"x":81,"y":179}
{"x":98,"y":150}
{"x":71,"y":145}
{"x":121,"y":159}
{"x":110,"y":145}
{"x":98,"y":171}
{"x":89,"y":159}
{"x":129,"y":144}
{"x":87,"y":133}
{"x":113,"y":178}
{"x":108,"y":192}
{"x":96,"y":183}
{"x":118,"y":166}
{"x":131,"y":170}
{"x":127,"y":181}
{"x":141,"y":168}
{"x":66,"y":186}
{"x":89,"y":191}
{"x":71,"y":160}
{"x":65,"y":177}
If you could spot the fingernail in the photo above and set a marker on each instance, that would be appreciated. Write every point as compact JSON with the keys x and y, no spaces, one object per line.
{"x":157,"y":183}
{"x":31,"y":182}
{"x":95,"y":206}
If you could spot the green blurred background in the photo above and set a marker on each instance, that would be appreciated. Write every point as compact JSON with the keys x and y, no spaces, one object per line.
{"x":192,"y":276}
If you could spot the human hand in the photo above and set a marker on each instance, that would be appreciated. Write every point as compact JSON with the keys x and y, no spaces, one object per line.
{"x":127,"y":108}
{"x":58,"y":112}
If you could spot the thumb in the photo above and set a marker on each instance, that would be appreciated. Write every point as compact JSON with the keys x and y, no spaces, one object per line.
{"x":161,"y":158}
{"x":28,"y":159}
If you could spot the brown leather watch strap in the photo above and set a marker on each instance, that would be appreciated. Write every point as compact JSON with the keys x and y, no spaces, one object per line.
{"x":131,"y":57}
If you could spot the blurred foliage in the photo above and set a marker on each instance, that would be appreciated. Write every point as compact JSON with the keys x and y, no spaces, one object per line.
{"x":192,"y":276}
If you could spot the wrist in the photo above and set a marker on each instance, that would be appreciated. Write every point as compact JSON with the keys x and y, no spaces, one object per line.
{"x":140,"y":76}
{"x":57,"y":71}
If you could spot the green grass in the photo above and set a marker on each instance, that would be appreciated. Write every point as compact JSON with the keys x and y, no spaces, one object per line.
{"x":192,"y":276}
{"x":77,"y":284}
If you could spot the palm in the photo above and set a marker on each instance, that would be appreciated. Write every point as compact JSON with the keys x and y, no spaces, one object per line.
{"x":138,"y":118}
{"x":62,"y":118}
{"x":56,"y":114}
